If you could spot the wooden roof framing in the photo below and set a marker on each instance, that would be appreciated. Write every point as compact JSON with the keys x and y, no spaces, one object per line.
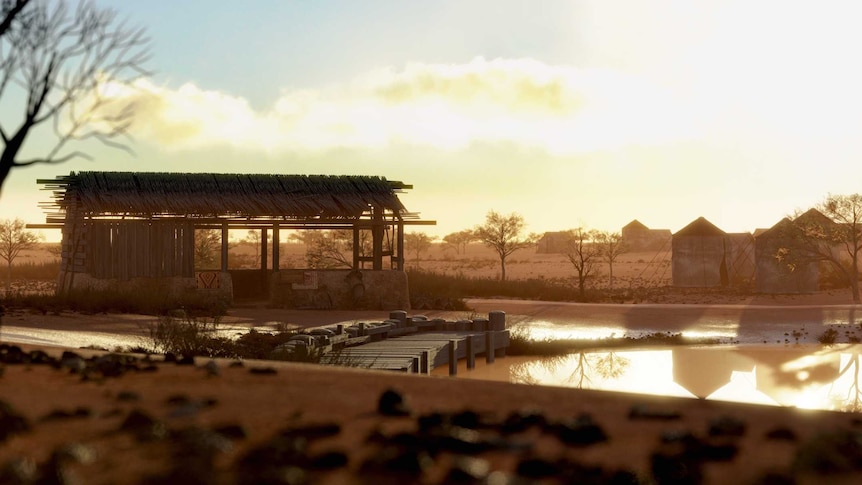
{"x":222,"y":196}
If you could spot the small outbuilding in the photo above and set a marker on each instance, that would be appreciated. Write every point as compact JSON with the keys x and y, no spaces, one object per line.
{"x":554,"y":243}
{"x":699,"y":258}
{"x":135,"y":231}
{"x":638,"y":237}
{"x":783,"y":264}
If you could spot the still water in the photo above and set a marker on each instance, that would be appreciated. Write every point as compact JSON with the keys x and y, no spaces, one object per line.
{"x":804,"y":376}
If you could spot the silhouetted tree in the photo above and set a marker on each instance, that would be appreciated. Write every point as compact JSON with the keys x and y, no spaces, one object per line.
{"x":504,"y":235}
{"x":207,"y":248}
{"x":459,"y":240}
{"x":10,"y":11}
{"x":334,"y":249}
{"x":417,"y":243}
{"x":55,"y":66}
{"x":14,"y":238}
{"x":836,"y":240}
{"x":253,"y":238}
{"x":611,"y":246}
{"x":582,"y":251}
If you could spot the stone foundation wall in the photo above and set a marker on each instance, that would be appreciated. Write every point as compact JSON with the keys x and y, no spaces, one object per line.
{"x":340,"y":289}
{"x":173,"y":286}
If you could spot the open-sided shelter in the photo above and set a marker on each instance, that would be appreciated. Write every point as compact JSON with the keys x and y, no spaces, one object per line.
{"x":127,"y":229}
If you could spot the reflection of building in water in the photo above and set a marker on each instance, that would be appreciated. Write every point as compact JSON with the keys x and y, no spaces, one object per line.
{"x":784,"y":374}
{"x":703,"y":371}
{"x":806,"y":377}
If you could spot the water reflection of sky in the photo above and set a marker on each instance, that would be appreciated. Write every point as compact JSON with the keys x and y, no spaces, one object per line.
{"x":545,"y":330}
{"x":802,"y":376}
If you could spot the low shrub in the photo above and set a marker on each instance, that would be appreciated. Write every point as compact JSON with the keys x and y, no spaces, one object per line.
{"x":188,"y":336}
{"x":828,"y":337}
{"x":150,"y":302}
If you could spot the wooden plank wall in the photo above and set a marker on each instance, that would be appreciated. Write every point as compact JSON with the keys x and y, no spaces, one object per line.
{"x":131,"y":249}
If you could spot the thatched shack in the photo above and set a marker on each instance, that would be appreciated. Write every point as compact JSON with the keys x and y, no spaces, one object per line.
{"x":129,"y":230}
{"x":699,"y":255}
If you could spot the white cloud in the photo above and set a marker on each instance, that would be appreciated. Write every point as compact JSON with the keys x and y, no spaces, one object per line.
{"x":561,"y":109}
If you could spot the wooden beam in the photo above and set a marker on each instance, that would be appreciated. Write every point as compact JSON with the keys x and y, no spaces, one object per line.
{"x":275,"y":250}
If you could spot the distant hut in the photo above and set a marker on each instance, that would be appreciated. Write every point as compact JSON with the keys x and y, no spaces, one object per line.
{"x":638,"y":237}
{"x":553,"y":243}
{"x":132,"y":231}
{"x":782,"y":267}
{"x":739,"y":257}
{"x":699,"y":258}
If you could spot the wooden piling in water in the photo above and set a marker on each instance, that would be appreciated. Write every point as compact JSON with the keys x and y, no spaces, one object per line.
{"x":453,"y":357}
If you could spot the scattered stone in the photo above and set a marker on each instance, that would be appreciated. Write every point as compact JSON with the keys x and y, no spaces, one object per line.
{"x":580,"y":431}
{"x":521,"y":421}
{"x":467,"y":469}
{"x":329,"y":460}
{"x":18,"y":471}
{"x":11,"y":422}
{"x":392,"y":403}
{"x":726,"y":426}
{"x":263,"y":371}
{"x":143,"y":426}
{"x":640,"y":411}
{"x":781,"y":433}
{"x":62,"y":414}
{"x":232,"y":431}
{"x":128,"y":396}
{"x":538,"y":468}
{"x":830,"y":452}
{"x":211,"y":368}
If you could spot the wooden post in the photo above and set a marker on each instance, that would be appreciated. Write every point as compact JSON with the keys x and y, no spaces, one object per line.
{"x":275,"y":250}
{"x":489,"y":347}
{"x":355,"y":246}
{"x":400,"y":237}
{"x":377,"y":238}
{"x":263,"y":254}
{"x":224,"y":237}
{"x":471,"y":352}
{"x":453,"y":357}
{"x":497,"y":320}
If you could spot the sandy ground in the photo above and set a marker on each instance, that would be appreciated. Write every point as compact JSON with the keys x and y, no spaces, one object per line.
{"x":213,"y":423}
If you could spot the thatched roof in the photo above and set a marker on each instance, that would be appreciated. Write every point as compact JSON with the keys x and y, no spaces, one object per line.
{"x":222,"y":195}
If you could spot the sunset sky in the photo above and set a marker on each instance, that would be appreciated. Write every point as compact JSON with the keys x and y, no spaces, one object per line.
{"x":571,"y":113}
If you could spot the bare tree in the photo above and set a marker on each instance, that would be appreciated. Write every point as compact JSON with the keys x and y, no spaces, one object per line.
{"x":836,"y":240}
{"x":14,"y":238}
{"x":207,"y":248}
{"x":334,"y":249}
{"x":10,"y":10}
{"x":611,"y":246}
{"x":582,"y":251}
{"x":459,"y":240}
{"x":417,"y":243}
{"x":55,"y":67}
{"x":253,"y":238}
{"x":504,"y":235}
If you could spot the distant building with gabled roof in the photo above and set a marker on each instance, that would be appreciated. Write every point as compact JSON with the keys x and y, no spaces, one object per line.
{"x":638,"y":237}
{"x":699,"y":258}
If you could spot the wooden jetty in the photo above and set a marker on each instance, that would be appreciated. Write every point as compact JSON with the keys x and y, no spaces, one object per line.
{"x":419,"y":345}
